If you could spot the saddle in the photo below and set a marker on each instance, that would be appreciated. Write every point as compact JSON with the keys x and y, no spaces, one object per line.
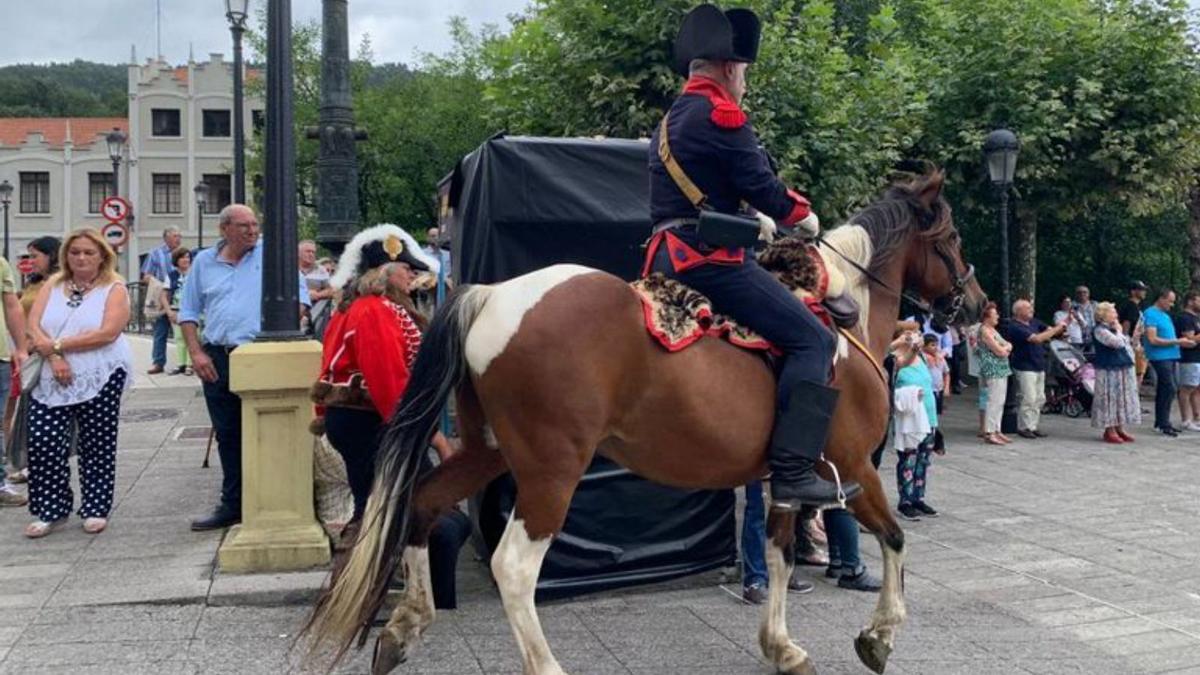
{"x":678,"y":315}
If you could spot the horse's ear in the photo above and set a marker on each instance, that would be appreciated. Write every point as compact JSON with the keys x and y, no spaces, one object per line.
{"x":929,"y":190}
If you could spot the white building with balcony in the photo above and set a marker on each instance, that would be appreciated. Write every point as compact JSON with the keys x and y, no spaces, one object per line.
{"x":180,"y":133}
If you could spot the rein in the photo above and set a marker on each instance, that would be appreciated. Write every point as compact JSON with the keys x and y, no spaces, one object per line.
{"x":957,"y":289}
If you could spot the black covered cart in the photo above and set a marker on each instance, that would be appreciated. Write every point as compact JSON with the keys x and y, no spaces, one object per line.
{"x":517,"y":204}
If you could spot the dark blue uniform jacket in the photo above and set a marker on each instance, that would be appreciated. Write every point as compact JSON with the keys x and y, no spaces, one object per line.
{"x":717,"y":148}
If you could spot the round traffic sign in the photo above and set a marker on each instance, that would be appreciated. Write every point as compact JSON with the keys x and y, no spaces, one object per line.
{"x":115,"y":234}
{"x":115,"y":209}
{"x":25,"y":266}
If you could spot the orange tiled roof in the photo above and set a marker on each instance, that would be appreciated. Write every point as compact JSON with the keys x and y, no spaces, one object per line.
{"x":83,"y":130}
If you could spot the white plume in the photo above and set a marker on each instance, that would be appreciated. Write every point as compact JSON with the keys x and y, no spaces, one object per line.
{"x":347,"y":265}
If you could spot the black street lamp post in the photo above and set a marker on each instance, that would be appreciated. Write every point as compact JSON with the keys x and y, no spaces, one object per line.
{"x":6,"y":190}
{"x":281,"y":270}
{"x":116,"y":144}
{"x":236,"y":11}
{"x":201,"y":191}
{"x":1000,"y":148}
{"x":337,"y":160}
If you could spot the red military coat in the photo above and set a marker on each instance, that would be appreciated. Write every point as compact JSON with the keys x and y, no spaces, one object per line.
{"x":375,"y":340}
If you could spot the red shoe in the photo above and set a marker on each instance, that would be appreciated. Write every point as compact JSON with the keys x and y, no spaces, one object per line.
{"x":1111,"y":436}
{"x":1124,"y":436}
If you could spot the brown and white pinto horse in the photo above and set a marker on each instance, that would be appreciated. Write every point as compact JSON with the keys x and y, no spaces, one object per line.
{"x":555,"y":365}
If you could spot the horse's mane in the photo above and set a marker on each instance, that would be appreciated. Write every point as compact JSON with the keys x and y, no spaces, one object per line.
{"x":874,"y":235}
{"x":892,"y":217}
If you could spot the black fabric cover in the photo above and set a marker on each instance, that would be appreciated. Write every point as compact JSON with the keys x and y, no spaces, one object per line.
{"x":523,"y":203}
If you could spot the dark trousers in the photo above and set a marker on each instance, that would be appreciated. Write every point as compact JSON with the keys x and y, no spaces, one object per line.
{"x":225,"y":412}
{"x":754,"y":298}
{"x":449,"y":534}
{"x":842,"y":532}
{"x":355,"y":435}
{"x":958,"y":363}
{"x":754,"y":537}
{"x":1164,"y":392}
{"x":162,"y":329}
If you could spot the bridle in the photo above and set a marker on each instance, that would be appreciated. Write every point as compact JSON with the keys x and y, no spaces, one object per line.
{"x":958,"y":289}
{"x":958,"y":284}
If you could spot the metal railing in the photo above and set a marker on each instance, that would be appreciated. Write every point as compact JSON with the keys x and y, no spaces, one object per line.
{"x":138,"y":323}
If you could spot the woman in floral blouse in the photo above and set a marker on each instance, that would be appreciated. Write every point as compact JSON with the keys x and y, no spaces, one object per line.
{"x":993,"y":351}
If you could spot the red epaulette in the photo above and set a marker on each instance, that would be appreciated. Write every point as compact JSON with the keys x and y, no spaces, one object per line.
{"x":726,"y":113}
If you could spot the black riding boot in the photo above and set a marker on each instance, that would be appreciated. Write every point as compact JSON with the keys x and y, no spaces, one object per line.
{"x":796,"y":444}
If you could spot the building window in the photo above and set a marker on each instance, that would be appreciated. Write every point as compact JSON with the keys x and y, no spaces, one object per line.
{"x":164,"y":122}
{"x":35,"y":191}
{"x":99,"y":189}
{"x":216,"y":123}
{"x":219,"y":193}
{"x":258,"y":121}
{"x":167,"y":193}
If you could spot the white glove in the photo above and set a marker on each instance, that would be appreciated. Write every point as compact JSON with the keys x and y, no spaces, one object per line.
{"x":766,"y":228}
{"x":810,"y":226}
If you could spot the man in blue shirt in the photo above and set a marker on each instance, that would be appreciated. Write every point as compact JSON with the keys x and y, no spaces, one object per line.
{"x":224,"y":289}
{"x":1028,"y":336}
{"x":1162,"y":350}
{"x":158,"y":266}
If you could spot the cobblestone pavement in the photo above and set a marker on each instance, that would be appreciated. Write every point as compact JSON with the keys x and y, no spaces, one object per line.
{"x":1064,"y":555}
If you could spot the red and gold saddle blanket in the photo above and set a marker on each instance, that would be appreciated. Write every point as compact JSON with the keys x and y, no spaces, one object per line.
{"x":678,"y":315}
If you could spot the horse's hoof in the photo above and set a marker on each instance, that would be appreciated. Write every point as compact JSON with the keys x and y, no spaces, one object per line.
{"x":804,"y":667}
{"x":389,"y":653}
{"x":794,"y":661}
{"x":872,"y":651}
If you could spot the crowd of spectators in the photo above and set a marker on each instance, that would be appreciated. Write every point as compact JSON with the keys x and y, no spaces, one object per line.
{"x":74,"y":320}
{"x":1114,"y":344}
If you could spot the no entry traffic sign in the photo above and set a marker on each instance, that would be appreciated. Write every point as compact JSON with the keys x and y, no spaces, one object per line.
{"x":25,"y":265}
{"x":116,"y":234}
{"x":115,"y":209}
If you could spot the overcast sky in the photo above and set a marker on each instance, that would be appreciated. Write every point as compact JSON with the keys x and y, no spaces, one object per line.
{"x":103,"y":30}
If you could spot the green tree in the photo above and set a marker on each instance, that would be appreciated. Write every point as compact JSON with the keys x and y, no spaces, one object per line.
{"x":836,"y":119}
{"x":75,"y":89}
{"x":1103,"y":95}
{"x":582,"y":67}
{"x":419,"y":123}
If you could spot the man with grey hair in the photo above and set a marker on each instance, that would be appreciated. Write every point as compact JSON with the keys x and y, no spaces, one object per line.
{"x":319,"y":290}
{"x":158,"y":266}
{"x":224,"y":287}
{"x":1029,"y":336}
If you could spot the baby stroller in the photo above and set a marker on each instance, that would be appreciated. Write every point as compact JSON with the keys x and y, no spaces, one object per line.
{"x":1072,"y":381}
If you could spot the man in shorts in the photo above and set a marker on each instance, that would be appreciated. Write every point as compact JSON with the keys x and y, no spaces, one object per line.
{"x":1187,"y":325}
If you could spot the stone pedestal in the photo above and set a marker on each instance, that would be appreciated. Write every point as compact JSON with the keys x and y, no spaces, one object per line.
{"x":279,"y":529}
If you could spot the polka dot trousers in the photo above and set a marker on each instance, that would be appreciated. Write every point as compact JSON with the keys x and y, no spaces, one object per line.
{"x":50,"y":496}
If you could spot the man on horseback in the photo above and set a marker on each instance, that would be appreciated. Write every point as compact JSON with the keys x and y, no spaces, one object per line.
{"x":711,"y":160}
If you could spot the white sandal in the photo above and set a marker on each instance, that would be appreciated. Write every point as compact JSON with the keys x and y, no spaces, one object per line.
{"x":40,"y":528}
{"x":94,"y":525}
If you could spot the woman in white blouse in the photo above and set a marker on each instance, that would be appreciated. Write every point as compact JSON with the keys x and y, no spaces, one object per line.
{"x":76,"y":325}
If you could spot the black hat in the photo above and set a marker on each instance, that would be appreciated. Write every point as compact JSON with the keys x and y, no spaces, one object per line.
{"x":377,"y":246}
{"x":708,"y":33}
{"x":1138,"y":286}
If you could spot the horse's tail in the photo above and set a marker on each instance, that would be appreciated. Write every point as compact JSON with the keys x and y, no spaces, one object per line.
{"x":357,"y":594}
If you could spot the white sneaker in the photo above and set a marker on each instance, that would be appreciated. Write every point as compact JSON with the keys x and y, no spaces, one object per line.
{"x":1191,"y":426}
